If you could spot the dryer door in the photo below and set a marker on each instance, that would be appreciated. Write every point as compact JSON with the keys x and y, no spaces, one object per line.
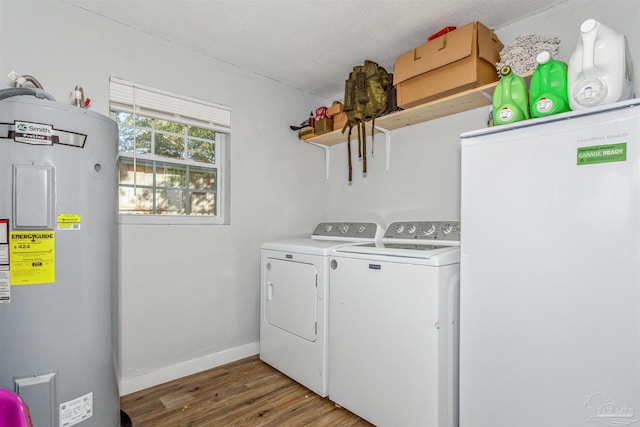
{"x":291,"y":297}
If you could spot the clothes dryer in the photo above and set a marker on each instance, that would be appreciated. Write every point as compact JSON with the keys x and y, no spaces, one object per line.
{"x":294,"y":301}
{"x":393,"y":347}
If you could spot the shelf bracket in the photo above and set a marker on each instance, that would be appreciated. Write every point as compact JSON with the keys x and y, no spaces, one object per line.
{"x":387,"y":142}
{"x":327,"y":158}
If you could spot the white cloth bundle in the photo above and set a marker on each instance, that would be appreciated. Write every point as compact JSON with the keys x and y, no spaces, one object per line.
{"x":521,"y":54}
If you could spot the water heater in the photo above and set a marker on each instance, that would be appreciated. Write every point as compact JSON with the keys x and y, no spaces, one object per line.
{"x":57,"y":263}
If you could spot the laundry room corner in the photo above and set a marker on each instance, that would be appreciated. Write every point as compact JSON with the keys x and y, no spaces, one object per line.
{"x":320,"y":213}
{"x":188,"y":293}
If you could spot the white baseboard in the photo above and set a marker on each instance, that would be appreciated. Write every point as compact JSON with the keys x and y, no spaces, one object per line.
{"x":170,"y":373}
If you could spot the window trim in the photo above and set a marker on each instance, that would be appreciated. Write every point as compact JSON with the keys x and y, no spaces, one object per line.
{"x":150,"y":219}
{"x":165,"y":105}
{"x":132,"y":98}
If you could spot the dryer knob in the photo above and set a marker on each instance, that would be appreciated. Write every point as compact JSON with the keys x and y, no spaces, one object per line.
{"x":411,"y":229}
{"x":399,"y":228}
{"x":328,"y":228}
{"x":344,"y":228}
{"x":429,"y":231}
{"x":361,"y":229}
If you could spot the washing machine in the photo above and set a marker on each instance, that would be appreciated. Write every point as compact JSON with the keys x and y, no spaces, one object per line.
{"x":394,"y":309}
{"x":294,"y":300}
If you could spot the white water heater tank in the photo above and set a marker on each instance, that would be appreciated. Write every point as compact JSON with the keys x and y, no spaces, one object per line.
{"x":57,"y":266}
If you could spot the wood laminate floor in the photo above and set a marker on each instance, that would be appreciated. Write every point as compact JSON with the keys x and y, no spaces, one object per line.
{"x":243,"y":393}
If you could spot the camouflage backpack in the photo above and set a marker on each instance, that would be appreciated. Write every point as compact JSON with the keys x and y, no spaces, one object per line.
{"x":365,"y":97}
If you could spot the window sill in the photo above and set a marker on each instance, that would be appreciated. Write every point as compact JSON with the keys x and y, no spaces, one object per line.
{"x":133,"y":219}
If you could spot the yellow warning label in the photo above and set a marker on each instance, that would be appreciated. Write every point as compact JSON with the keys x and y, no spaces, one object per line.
{"x":68,"y":222}
{"x":32,"y":257}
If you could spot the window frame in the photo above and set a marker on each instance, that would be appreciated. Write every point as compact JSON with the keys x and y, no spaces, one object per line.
{"x":162,"y":105}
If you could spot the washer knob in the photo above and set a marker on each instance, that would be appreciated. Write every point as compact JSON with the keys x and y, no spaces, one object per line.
{"x":361,"y":228}
{"x":399,"y":228}
{"x":447,"y":229}
{"x":328,"y":227}
{"x":429,"y":231}
{"x":344,"y":228}
{"x":411,"y":229}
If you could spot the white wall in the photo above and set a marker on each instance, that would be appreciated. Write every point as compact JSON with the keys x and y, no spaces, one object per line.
{"x":189,"y":293}
{"x":423,"y":181}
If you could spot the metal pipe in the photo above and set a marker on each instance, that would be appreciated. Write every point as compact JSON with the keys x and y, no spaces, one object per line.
{"x":78,"y":97}
{"x":33,"y":81}
{"x":19,"y":81}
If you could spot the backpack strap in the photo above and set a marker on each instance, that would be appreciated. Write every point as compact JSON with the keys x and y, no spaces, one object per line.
{"x":373,"y":132}
{"x":364,"y":146}
{"x":349,"y":154}
{"x":359,"y":139}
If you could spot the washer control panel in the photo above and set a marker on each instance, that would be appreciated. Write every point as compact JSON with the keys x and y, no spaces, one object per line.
{"x":347,"y":230}
{"x":424,"y":230}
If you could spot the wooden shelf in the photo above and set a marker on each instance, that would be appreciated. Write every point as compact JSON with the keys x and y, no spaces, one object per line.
{"x":463,"y":101}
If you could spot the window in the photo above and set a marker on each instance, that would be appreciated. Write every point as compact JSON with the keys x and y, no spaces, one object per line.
{"x":171,"y":161}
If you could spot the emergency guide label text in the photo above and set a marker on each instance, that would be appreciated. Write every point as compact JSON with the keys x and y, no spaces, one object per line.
{"x":32,"y":257}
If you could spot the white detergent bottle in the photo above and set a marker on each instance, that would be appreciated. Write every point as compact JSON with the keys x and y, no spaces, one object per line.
{"x":600,"y":70}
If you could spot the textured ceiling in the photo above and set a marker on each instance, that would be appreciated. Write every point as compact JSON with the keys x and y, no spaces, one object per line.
{"x":311,"y":45}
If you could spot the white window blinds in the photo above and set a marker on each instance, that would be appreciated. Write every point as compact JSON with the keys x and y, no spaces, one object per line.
{"x":147,"y":101}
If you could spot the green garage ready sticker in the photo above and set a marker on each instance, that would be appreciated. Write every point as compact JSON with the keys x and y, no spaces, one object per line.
{"x":602,"y":154}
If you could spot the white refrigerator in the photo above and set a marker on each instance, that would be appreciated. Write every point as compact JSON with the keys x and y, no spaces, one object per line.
{"x":550,"y":271}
